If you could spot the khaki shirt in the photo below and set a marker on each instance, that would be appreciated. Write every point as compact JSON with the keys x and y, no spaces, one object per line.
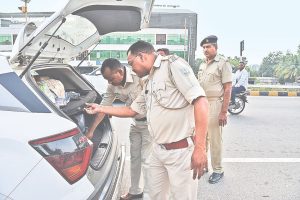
{"x":126,"y":94}
{"x":166,"y":98}
{"x":212,"y":76}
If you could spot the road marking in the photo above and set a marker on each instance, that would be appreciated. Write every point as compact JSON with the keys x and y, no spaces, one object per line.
{"x":254,"y":160}
{"x":261,"y":160}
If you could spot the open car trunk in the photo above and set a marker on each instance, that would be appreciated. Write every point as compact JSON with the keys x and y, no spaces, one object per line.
{"x":68,"y":92}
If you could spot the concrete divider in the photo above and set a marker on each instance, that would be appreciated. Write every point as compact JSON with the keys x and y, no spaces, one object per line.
{"x":274,"y":90}
{"x":274,"y":93}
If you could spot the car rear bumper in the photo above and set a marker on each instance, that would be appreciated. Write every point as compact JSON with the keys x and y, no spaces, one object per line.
{"x":119,"y":175}
{"x":109,"y":188}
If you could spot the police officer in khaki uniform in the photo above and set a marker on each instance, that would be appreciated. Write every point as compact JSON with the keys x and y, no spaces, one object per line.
{"x":125,"y":85}
{"x":177,"y":112}
{"x":215,"y":77}
{"x":163,"y":51}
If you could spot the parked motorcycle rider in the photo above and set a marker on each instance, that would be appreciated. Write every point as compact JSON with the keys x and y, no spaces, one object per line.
{"x":240,"y":81}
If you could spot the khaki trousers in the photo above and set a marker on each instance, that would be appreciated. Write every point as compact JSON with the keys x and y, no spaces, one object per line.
{"x":214,"y":140}
{"x":171,"y":174}
{"x":140,"y":147}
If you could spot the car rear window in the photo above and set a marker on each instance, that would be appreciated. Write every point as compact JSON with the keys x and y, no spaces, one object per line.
{"x":16,"y":96}
{"x":69,"y":33}
{"x":10,"y":102}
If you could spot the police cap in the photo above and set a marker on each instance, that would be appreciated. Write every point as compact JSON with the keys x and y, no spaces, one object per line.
{"x":209,"y":39}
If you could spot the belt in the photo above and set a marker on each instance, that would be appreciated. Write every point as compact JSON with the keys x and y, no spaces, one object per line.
{"x":141,"y":119}
{"x":177,"y":145}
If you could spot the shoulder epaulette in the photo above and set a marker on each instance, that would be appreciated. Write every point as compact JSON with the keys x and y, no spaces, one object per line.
{"x":173,"y":58}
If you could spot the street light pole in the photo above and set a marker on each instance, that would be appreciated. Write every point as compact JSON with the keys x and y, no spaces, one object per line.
{"x":24,"y":10}
{"x":184,"y":45}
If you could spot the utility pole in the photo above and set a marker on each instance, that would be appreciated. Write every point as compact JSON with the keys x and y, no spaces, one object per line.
{"x":24,"y":8}
{"x":189,"y":40}
{"x":184,"y":45}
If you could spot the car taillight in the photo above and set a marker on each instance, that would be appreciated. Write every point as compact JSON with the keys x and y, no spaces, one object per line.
{"x":69,"y":153}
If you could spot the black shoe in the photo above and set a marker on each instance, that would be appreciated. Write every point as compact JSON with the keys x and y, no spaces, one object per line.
{"x":129,"y":196}
{"x":215,"y":177}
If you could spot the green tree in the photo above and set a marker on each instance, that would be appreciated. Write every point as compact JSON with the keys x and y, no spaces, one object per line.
{"x":234,"y":62}
{"x":288,"y":70}
{"x":253,"y":72}
{"x":298,"y":51}
{"x":195,"y":67}
{"x":269,"y":63}
{"x":198,"y":61}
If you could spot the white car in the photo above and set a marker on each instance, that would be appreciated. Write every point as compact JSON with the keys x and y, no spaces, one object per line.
{"x":44,"y":153}
{"x":40,"y":150}
{"x":97,"y":80}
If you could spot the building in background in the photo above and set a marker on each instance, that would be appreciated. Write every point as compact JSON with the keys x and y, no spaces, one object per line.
{"x":8,"y":35}
{"x":175,"y":29}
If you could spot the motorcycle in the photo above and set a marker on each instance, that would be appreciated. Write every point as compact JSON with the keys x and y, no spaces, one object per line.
{"x":240,"y":103}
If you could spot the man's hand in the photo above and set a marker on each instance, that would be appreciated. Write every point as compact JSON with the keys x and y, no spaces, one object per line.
{"x":222,"y":119}
{"x":198,"y":163}
{"x":89,"y":134}
{"x":92,"y":108}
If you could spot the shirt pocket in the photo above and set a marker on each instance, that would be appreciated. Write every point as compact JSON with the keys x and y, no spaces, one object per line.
{"x":211,"y":77}
{"x":200,"y":75}
{"x":168,"y":96}
{"x":121,"y":97}
{"x":159,"y":91}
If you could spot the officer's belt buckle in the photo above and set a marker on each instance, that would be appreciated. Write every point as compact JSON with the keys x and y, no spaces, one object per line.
{"x":162,"y":146}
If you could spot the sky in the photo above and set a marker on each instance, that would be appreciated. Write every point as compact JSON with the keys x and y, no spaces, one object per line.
{"x":264,"y":25}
